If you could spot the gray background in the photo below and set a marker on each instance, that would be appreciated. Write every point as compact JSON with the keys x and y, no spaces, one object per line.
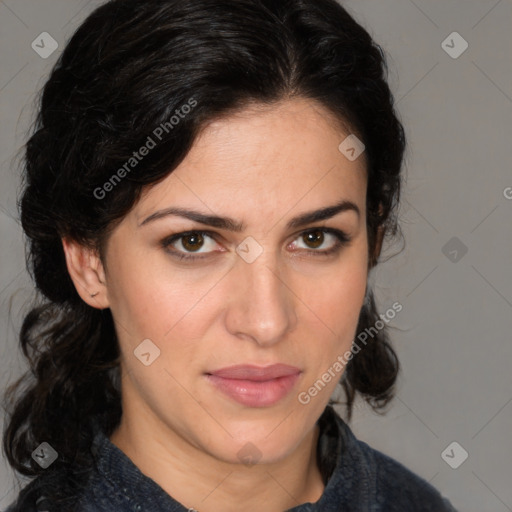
{"x":453,"y":334}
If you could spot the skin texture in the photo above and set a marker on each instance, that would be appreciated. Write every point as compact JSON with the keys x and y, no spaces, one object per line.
{"x":262,"y":166}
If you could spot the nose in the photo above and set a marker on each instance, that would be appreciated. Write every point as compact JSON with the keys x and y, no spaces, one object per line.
{"x":263,"y":305}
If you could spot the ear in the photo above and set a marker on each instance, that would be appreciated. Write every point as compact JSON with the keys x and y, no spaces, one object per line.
{"x":87,"y":273}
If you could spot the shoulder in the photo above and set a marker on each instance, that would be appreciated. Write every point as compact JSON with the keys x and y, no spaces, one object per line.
{"x":371,"y":478}
{"x":62,"y":488}
{"x":397,"y":488}
{"x":35,"y":496}
{"x":30,"y":498}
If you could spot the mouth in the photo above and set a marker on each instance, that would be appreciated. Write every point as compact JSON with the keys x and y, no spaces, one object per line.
{"x":255,"y":386}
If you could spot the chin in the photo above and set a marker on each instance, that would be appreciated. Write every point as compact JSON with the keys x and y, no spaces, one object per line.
{"x":265,"y":445}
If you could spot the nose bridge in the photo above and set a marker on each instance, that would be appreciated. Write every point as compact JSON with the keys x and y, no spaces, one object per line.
{"x":263,"y":307}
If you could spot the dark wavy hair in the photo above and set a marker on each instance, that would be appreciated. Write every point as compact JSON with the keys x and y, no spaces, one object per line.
{"x":123,"y":73}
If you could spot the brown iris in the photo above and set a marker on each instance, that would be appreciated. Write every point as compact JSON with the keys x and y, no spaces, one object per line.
{"x":313,"y":238}
{"x":193,"y":241}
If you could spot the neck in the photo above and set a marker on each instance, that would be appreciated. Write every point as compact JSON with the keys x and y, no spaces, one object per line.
{"x":201,"y":482}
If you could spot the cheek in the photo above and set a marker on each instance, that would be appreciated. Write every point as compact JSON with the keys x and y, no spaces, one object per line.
{"x":338,"y":308}
{"x":155,"y":309}
{"x":337,"y":298}
{"x":333,"y":308}
{"x":154,"y":300}
{"x":334,"y":317}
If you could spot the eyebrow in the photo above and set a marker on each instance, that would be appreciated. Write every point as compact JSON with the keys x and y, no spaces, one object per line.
{"x":230,"y":224}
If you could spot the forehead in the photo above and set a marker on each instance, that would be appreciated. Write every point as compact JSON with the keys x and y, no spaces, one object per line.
{"x":264,"y":159}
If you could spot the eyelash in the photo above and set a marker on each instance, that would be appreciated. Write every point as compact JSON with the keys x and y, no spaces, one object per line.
{"x":342,"y":239}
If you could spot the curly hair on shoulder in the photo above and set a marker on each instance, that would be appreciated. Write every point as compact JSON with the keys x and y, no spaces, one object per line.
{"x":125,"y":71}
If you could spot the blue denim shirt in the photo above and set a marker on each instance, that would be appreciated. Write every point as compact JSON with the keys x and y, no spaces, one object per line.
{"x":358,"y":479}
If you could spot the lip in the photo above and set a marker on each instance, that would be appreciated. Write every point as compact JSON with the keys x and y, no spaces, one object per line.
{"x":255,"y":386}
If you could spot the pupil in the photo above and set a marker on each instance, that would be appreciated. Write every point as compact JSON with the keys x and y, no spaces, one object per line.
{"x":195,"y":239}
{"x":314,"y":238}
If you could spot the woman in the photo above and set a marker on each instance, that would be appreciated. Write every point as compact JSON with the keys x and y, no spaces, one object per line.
{"x":207,"y":187}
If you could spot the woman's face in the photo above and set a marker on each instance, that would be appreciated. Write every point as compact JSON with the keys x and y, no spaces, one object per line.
{"x":273,"y":291}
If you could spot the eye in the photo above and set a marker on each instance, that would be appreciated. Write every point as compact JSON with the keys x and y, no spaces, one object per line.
{"x":316,"y":238}
{"x":190,"y":242}
{"x":199,"y":245}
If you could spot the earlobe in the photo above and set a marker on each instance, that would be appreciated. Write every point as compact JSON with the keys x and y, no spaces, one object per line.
{"x":87,"y":273}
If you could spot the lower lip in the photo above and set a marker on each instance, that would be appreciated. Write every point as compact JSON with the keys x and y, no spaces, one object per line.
{"x":255,"y":393}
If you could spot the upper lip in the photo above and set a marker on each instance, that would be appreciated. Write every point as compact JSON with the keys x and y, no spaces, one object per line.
{"x":255,"y":373}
